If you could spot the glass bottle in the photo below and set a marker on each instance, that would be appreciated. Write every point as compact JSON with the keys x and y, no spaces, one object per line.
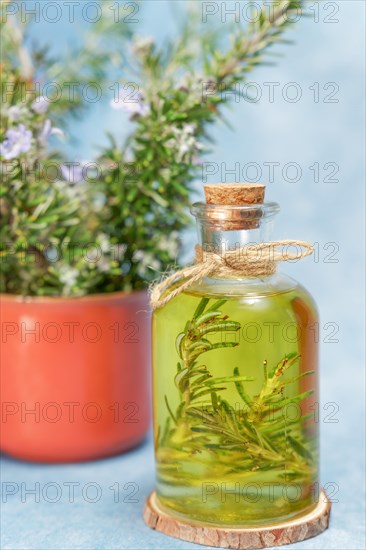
{"x":235,"y":387}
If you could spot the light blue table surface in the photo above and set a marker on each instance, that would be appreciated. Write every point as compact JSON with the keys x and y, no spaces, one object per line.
{"x":123,"y":482}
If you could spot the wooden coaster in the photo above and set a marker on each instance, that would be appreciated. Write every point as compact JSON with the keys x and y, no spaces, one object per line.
{"x":308,"y":526}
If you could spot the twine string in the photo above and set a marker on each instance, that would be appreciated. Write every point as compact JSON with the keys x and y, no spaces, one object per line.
{"x":248,"y":261}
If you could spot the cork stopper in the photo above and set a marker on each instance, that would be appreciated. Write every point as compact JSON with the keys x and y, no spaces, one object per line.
{"x":235,"y":194}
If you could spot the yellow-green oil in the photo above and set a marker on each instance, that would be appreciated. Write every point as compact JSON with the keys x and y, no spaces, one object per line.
{"x":246,"y":455}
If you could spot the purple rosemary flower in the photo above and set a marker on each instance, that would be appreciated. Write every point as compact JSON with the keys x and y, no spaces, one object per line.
{"x":40,"y":105}
{"x":18,"y":140}
{"x":15,"y":112}
{"x":131,"y":102}
{"x":73,"y":172}
{"x":47,"y":131}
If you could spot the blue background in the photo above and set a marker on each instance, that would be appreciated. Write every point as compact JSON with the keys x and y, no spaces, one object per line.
{"x":304,"y":132}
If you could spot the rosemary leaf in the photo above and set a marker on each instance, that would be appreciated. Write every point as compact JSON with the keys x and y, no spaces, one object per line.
{"x":201,"y":307}
{"x":170,"y":410}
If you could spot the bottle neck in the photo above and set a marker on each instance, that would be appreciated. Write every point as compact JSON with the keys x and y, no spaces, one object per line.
{"x":221,"y":228}
{"x":213,"y":239}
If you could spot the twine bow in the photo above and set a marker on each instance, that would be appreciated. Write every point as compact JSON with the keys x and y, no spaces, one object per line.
{"x":248,"y":261}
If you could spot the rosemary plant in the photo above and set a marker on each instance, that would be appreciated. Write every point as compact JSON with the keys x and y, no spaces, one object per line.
{"x":113,"y":227}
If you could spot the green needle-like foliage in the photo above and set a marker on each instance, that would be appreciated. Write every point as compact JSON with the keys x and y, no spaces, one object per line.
{"x":257,"y":437}
{"x":132,"y":207}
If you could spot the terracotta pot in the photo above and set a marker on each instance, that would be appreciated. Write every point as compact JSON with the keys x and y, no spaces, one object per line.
{"x":75,"y":375}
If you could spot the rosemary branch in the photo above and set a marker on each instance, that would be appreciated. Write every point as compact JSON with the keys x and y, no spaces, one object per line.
{"x":257,"y":438}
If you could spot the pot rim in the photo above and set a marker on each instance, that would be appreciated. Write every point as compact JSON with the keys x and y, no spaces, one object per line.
{"x":101,"y":297}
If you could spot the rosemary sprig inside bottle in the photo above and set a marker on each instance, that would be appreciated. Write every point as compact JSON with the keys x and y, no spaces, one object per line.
{"x":259,"y":437}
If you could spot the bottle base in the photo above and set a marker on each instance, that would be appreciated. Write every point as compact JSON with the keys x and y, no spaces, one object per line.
{"x":286,"y":532}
